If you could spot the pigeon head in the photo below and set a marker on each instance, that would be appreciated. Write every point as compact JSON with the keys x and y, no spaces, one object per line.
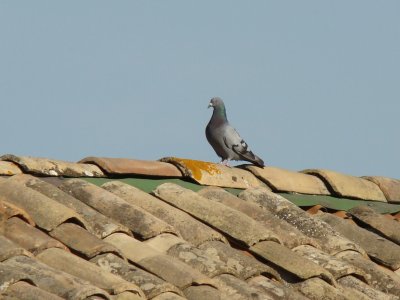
{"x":219,"y":107}
{"x":216,"y":102}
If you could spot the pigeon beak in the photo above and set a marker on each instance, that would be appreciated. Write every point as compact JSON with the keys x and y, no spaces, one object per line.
{"x":209,"y":105}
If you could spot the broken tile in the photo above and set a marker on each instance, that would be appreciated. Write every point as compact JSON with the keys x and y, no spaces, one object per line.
{"x":289,"y":235}
{"x":50,"y":167}
{"x":337,"y":267}
{"x":207,"y":173}
{"x":349,"y":186}
{"x":189,"y":228}
{"x":135,"y":218}
{"x":45,"y":212}
{"x":242,"y":266}
{"x":150,"y":284}
{"x":377,"y":276}
{"x":29,"y":237}
{"x":76,"y":266}
{"x":46,"y":278}
{"x":98,"y":224}
{"x":381,"y":250}
{"x":237,"y":225}
{"x":198,"y":259}
{"x":8,"y":168}
{"x":389,"y":186}
{"x":125,"y":166}
{"x":290,"y":261}
{"x":282,"y":180}
{"x":9,"y":249}
{"x":329,"y":240}
{"x":353,"y":282}
{"x":81,"y":241}
{"x":316,"y":289}
{"x":386,"y":227}
{"x":164,"y":266}
{"x":24,"y":290}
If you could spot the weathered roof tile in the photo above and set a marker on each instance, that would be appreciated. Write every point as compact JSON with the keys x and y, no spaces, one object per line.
{"x":334,"y":265}
{"x":98,"y":224}
{"x":386,"y":227}
{"x":24,"y":290}
{"x":9,"y":249}
{"x":135,"y":218}
{"x":329,"y":239}
{"x":168,"y":296}
{"x":76,"y":266}
{"x":125,"y":166}
{"x":288,"y":234}
{"x":288,"y":181}
{"x":207,"y":173}
{"x":389,"y":186}
{"x":9,"y":168}
{"x":316,"y":289}
{"x":51,"y":280}
{"x":202,"y":292}
{"x":50,"y":167}
{"x":29,"y":237}
{"x":290,"y":261}
{"x":243,"y":266}
{"x":37,"y":204}
{"x":378,"y":248}
{"x":81,"y":241}
{"x":9,"y":210}
{"x":189,"y":228}
{"x":232,"y":222}
{"x":198,"y":259}
{"x":349,"y":186}
{"x":150,"y":284}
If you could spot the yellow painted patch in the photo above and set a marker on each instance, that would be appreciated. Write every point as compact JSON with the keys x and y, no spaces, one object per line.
{"x":197,"y":167}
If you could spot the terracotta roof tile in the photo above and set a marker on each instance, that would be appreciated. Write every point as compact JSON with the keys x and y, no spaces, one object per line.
{"x":37,"y":204}
{"x":24,"y":290}
{"x":98,"y":224}
{"x":76,"y":266}
{"x":81,"y":241}
{"x":124,"y":166}
{"x":329,"y":240}
{"x":202,"y":292}
{"x":189,"y":228}
{"x":9,"y":168}
{"x":290,"y":261}
{"x":384,"y":226}
{"x":135,"y":218}
{"x":46,"y":278}
{"x":281,"y":180}
{"x":349,"y":186}
{"x":378,"y":248}
{"x":243,"y":266}
{"x":237,"y":225}
{"x":9,"y":249}
{"x":389,"y":186}
{"x":316,"y":288}
{"x":289,"y":235}
{"x":29,"y":237}
{"x":207,"y":173}
{"x":168,"y":296}
{"x":8,"y":210}
{"x":49,"y":167}
{"x":150,"y":284}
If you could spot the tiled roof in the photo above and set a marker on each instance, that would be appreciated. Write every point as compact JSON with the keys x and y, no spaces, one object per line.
{"x":108,"y":228}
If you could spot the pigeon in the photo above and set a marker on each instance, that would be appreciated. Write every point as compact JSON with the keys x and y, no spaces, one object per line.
{"x":225,"y":140}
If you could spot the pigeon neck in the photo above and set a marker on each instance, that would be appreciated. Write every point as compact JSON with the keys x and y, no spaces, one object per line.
{"x":220,"y":112}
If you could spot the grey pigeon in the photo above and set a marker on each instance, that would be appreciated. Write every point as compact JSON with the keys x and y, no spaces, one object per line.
{"x":225,"y":140}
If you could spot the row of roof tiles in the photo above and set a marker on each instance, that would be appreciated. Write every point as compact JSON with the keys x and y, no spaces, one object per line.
{"x":311,"y":181}
{"x":71,"y":239}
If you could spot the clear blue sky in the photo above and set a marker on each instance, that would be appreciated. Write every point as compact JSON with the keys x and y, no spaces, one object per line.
{"x":308,"y":84}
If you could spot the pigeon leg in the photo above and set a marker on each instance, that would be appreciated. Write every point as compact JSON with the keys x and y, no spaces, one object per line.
{"x":225,"y":162}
